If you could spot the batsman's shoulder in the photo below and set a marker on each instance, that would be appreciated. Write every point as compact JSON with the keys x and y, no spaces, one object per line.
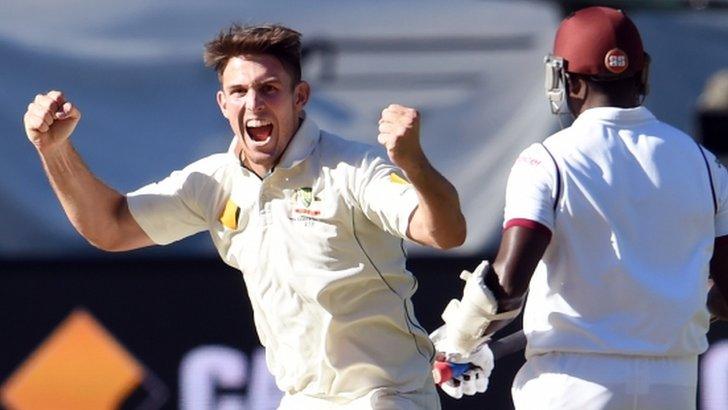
{"x":535,"y":155}
{"x":563,"y":136}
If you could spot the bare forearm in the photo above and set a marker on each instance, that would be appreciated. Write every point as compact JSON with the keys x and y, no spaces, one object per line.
{"x":98,"y":212}
{"x":717,"y":300}
{"x":438,"y":220}
{"x":717,"y":304}
{"x":518,"y":255}
{"x":92,"y":207}
{"x":718,"y":294}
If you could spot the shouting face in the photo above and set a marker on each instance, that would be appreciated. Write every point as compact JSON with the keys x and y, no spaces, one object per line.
{"x":262,"y":106}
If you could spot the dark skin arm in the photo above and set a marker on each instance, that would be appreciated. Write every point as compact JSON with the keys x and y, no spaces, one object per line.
{"x":522,"y":248}
{"x":520,"y":251}
{"x":719,"y":273}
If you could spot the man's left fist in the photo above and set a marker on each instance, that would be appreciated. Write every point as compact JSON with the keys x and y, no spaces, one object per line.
{"x":399,"y":132}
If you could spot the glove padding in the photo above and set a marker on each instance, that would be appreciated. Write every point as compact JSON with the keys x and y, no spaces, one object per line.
{"x":472,"y":381}
{"x":468,"y":318}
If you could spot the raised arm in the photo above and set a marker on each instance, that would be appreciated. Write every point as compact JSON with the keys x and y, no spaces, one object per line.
{"x":438,"y":220}
{"x":98,"y":212}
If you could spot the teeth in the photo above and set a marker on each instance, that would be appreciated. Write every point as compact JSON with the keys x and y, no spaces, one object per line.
{"x":257,"y":123}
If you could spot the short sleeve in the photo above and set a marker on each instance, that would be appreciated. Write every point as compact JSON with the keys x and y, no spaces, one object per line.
{"x":719,"y":174}
{"x":173,"y":208}
{"x":385,"y":196}
{"x":532,"y":186}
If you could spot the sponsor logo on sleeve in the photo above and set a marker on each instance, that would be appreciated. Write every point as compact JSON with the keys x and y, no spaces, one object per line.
{"x":524,"y":159}
{"x":230,"y":215}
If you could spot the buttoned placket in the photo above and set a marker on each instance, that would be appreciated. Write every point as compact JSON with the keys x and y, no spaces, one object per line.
{"x":264,"y":198}
{"x":270,"y":190}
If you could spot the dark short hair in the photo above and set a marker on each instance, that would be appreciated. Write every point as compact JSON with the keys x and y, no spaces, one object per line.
{"x":276,"y":40}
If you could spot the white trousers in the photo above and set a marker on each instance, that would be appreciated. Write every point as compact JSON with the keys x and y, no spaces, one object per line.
{"x":566,"y":381}
{"x":378,"y":399}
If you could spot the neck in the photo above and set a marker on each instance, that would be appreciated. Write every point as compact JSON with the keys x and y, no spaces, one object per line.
{"x":260,"y":170}
{"x":596,"y":100}
{"x":585,"y":93}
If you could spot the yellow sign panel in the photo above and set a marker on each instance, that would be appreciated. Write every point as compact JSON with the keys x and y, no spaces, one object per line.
{"x":79,"y":367}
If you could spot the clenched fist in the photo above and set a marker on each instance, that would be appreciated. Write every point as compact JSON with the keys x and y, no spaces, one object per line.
{"x":399,"y":132}
{"x":50,"y":120}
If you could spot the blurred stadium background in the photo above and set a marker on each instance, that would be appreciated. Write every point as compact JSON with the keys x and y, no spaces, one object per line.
{"x":171,"y":327}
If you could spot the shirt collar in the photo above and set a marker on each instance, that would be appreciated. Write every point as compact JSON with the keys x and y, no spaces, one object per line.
{"x":299,"y":148}
{"x":614,"y":114}
{"x":302,"y":143}
{"x":233,"y":145}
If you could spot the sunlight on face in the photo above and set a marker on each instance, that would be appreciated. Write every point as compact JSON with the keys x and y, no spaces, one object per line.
{"x":262,"y":107}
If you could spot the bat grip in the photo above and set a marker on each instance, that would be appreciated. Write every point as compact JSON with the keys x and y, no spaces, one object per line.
{"x":446,"y":371}
{"x":508,"y":345}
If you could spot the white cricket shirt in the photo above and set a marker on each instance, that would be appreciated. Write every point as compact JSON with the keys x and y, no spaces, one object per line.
{"x":626,"y":271}
{"x":319,"y":243}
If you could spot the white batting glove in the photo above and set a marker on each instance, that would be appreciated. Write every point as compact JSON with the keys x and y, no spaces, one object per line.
{"x":472,"y":381}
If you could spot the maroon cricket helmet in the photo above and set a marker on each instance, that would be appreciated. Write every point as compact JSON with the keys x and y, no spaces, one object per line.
{"x":601,"y":42}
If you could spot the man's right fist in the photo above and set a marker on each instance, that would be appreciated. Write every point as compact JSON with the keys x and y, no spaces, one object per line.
{"x":50,"y":120}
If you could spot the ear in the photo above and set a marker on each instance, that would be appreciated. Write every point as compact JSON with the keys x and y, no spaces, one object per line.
{"x":577,"y":87}
{"x":222,"y":103}
{"x":576,"y":93}
{"x":301,"y":94}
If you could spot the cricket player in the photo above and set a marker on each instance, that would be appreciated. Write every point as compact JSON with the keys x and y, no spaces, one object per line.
{"x":613,"y":226}
{"x":314,"y":222}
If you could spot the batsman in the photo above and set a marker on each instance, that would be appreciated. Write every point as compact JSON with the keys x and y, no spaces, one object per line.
{"x":614,"y":227}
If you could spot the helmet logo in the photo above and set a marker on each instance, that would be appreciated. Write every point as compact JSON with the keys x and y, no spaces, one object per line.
{"x":616,"y":61}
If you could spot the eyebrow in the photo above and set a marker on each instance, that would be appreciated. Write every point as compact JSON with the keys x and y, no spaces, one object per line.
{"x":269,"y":80}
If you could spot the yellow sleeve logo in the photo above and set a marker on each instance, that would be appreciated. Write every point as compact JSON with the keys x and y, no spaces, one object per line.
{"x":396,"y":179}
{"x":230,"y":215}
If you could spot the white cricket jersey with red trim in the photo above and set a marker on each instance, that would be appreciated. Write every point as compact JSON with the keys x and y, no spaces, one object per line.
{"x":626,"y":271}
{"x":319,"y":243}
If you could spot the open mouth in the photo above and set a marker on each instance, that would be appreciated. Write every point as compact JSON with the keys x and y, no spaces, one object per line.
{"x":258,"y":130}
